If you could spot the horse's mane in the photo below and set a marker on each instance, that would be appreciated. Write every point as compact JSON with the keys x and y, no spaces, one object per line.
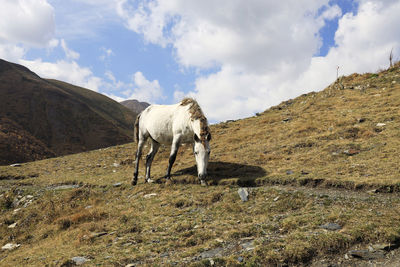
{"x":197,"y":114}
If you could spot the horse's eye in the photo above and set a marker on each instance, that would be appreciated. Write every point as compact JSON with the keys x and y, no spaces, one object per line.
{"x":196,"y":152}
{"x":208,"y":152}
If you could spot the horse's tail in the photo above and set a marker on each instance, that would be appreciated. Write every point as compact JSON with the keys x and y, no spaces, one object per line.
{"x":137,"y":128}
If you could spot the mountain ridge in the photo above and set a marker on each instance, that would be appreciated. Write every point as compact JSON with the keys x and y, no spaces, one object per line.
{"x":65,"y":118}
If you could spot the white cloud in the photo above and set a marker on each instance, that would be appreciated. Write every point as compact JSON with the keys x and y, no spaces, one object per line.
{"x":11,"y":52}
{"x":145,"y":90}
{"x":29,"y":22}
{"x":264,"y":50}
{"x":69,"y":53}
{"x":106,"y":53}
{"x":68,"y":71}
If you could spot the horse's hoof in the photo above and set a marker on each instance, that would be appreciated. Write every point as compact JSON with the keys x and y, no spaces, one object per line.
{"x":149,"y":181}
{"x":203,"y":183}
{"x":169,"y":181}
{"x":134,"y":182}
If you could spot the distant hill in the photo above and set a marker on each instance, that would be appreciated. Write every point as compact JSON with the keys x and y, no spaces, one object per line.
{"x":42,"y":118}
{"x":135,"y":105}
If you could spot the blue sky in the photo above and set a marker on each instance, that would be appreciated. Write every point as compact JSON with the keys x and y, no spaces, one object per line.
{"x":236,"y":58}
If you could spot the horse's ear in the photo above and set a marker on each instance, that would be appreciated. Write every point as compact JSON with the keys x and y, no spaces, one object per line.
{"x":208,"y":137}
{"x":196,"y":138}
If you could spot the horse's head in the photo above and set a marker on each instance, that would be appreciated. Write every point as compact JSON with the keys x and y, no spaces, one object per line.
{"x":201,"y":151}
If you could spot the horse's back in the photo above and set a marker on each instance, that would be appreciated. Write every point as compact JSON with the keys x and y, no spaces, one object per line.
{"x":161,"y":122}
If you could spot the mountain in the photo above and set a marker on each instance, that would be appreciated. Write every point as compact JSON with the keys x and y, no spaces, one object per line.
{"x":135,"y":105}
{"x":43,"y":118}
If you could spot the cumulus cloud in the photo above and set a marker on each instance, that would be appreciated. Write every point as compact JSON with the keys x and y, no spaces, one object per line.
{"x":27,"y":21}
{"x":68,"y":71}
{"x":144,"y":90}
{"x":264,"y":50}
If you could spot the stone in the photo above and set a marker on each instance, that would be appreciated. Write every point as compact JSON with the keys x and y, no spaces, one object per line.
{"x":117,"y":184}
{"x":351,"y":152}
{"x":79,"y":260}
{"x":380,"y":124}
{"x":150,"y":195}
{"x":216,"y":252}
{"x":116,"y":164}
{"x":10,"y":246}
{"x":94,"y":235}
{"x":248,"y":245}
{"x":244,"y":194}
{"x":276,"y":199}
{"x":12,"y":225}
{"x":289,"y":172}
{"x":331,"y":226}
{"x":16,"y":165}
{"x":366,"y":254}
{"x":240,"y":259}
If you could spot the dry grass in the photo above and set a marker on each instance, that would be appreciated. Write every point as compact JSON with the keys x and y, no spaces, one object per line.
{"x":325,"y":139}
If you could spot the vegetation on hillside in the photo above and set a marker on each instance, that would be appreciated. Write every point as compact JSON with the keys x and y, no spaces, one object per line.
{"x":58,"y":117}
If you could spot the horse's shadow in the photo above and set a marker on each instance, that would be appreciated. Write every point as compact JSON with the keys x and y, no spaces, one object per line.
{"x":241,"y":174}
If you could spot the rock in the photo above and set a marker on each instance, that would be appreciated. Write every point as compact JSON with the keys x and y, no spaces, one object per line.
{"x":240,"y":259}
{"x":130,"y":265}
{"x":16,"y":211}
{"x":286,"y":119}
{"x":16,"y":165}
{"x":216,"y":252}
{"x":248,"y":245}
{"x":117,"y":184}
{"x":276,"y":199}
{"x":289,"y":172}
{"x":94,"y":235}
{"x":12,"y":225}
{"x":244,"y":194}
{"x":381,"y":124}
{"x":79,"y":260}
{"x":64,"y":187}
{"x":361,"y":120}
{"x":331,"y":226}
{"x":385,"y":247}
{"x":351,"y":152}
{"x":303,"y":172}
{"x":150,"y":195}
{"x":116,"y":164}
{"x":365,"y":254}
{"x":10,"y":246}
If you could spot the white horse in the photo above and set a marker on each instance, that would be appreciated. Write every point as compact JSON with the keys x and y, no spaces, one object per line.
{"x":172,"y":125}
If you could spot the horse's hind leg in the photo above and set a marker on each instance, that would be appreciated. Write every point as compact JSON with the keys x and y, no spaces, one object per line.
{"x":141,"y":142}
{"x":149,"y":158}
{"x":172,"y":156}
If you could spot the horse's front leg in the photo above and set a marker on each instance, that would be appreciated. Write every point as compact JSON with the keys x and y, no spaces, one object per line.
{"x":172,"y":156}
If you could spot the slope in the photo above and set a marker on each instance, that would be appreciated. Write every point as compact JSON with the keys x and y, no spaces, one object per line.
{"x":337,"y":149}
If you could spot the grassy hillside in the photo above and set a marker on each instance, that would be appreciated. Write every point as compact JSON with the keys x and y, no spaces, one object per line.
{"x":326,"y":158}
{"x":62,"y":117}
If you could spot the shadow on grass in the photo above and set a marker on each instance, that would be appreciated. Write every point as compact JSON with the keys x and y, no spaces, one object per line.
{"x":227,"y":173}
